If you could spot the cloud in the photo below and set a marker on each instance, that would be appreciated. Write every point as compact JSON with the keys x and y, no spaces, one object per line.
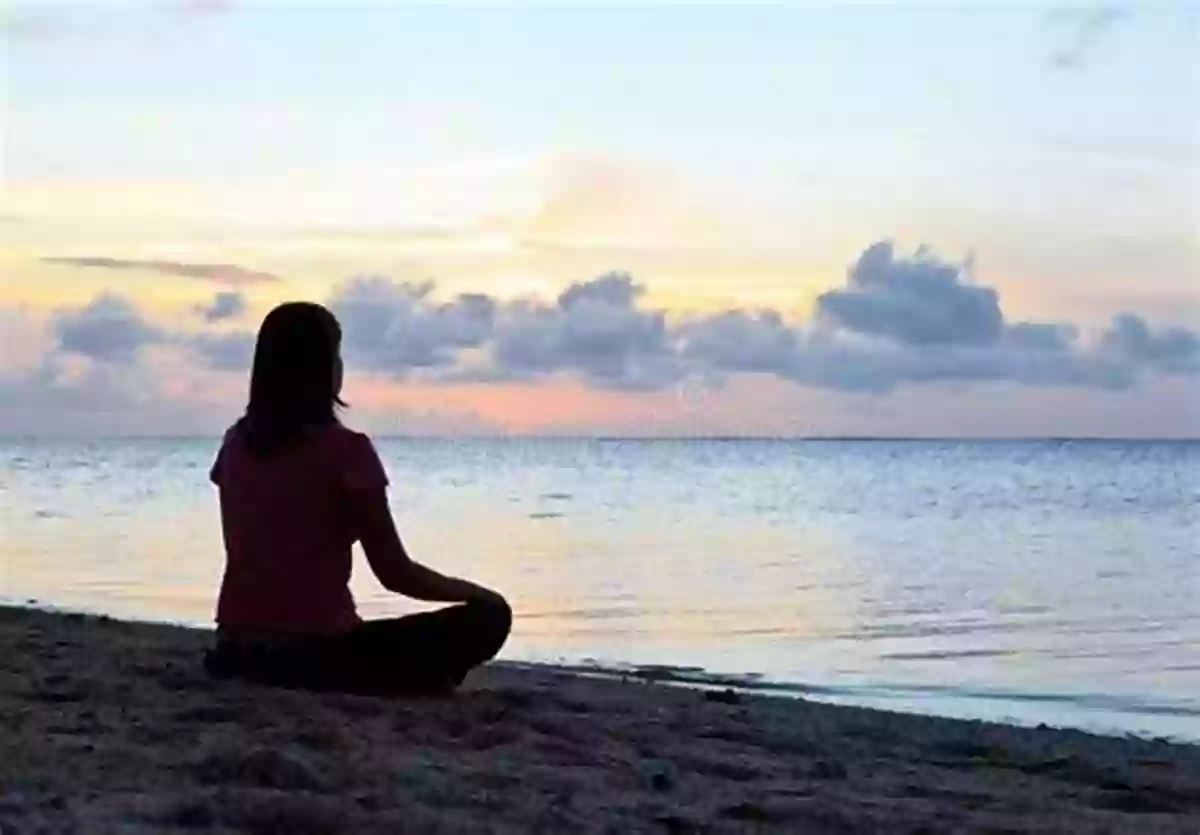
{"x":229,"y":274}
{"x":62,"y":398}
{"x":596,"y":330}
{"x":908,"y":321}
{"x":1086,"y":27}
{"x":883,"y":371}
{"x":737,"y":341}
{"x":225,"y":351}
{"x":1053,"y":337}
{"x":225,"y":305}
{"x":1130,"y":339}
{"x":396,"y":327}
{"x":101,"y":368}
{"x":896,"y":322}
{"x":914,"y":301}
{"x":54,"y":399}
{"x":111,"y":330}
{"x":108,"y":329}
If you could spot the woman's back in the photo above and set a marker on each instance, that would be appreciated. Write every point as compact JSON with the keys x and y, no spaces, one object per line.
{"x":288,"y":531}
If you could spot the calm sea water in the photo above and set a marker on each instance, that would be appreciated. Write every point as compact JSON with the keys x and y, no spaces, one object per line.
{"x":1032,"y":581}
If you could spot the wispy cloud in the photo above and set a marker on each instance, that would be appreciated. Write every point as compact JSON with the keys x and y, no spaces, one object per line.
{"x":45,"y":21}
{"x":1085,"y":27}
{"x":229,"y":274}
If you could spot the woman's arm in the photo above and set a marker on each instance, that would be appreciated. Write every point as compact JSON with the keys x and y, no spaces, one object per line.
{"x":396,"y":570}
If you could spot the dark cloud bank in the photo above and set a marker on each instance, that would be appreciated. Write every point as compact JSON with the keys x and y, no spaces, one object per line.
{"x":895,"y":321}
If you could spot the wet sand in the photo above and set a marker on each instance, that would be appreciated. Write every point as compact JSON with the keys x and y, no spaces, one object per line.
{"x":108,"y":727}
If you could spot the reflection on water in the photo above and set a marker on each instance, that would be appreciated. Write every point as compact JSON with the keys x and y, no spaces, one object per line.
{"x":1038,"y":581}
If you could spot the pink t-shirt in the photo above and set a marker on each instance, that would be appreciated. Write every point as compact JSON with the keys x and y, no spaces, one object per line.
{"x":287,"y":531}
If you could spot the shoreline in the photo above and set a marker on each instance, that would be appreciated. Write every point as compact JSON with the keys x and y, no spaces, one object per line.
{"x":112,"y":726}
{"x":943,"y":702}
{"x":877,"y":696}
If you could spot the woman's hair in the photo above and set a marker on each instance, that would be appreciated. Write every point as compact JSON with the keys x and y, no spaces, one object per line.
{"x":295,"y":380}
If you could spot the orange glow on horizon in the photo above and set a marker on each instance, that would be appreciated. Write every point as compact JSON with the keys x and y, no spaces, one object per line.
{"x":514,"y":407}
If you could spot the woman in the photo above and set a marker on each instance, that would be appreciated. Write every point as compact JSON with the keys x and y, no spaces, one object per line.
{"x":297,"y":490}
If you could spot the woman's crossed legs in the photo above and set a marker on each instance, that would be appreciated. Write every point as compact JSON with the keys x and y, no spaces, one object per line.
{"x":427,"y":653}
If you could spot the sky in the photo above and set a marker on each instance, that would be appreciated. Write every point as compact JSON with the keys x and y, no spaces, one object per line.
{"x":830,"y":219}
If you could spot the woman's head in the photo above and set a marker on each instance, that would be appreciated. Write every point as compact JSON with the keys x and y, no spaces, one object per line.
{"x":297,"y":375}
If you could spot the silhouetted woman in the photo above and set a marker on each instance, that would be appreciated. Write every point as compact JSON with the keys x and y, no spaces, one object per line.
{"x":297,"y":490}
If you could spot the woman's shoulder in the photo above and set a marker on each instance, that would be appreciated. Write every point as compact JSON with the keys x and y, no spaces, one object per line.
{"x":231,"y":433}
{"x":353,"y":455}
{"x":332,"y":437}
{"x":339,"y":435}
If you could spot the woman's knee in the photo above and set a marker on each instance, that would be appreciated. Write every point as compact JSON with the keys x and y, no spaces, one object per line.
{"x":499,"y":614}
{"x":494,"y":617}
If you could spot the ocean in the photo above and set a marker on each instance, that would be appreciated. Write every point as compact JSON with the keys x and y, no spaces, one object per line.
{"x":1026,"y":581}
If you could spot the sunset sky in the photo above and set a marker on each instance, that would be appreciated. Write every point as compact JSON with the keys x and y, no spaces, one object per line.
{"x":804,"y":219}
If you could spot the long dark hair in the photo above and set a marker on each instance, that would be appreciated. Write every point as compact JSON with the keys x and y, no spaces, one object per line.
{"x":296,"y":376}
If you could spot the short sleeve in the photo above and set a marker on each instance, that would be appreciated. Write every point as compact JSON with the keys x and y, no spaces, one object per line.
{"x":214,"y":472}
{"x":358,"y":465}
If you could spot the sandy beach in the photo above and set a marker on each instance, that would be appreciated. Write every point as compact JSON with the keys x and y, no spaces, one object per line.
{"x":110,"y":726}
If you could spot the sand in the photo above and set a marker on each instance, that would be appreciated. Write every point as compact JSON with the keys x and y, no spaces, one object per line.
{"x":111,"y":727}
